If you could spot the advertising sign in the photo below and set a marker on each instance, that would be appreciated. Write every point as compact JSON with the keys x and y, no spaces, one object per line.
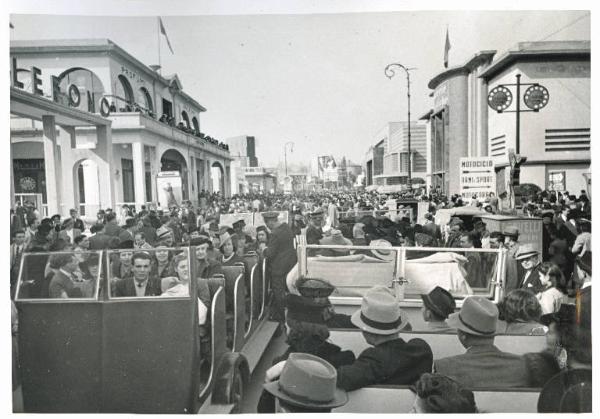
{"x":168,"y":185}
{"x":477,"y":177}
{"x":556,"y":181}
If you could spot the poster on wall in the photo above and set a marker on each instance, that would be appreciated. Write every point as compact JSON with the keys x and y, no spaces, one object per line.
{"x":556,"y":181}
{"x":477,"y":177}
{"x":168,"y":185}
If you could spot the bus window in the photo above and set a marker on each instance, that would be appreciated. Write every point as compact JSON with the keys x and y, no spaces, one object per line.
{"x":72,"y":275}
{"x":160,"y":272}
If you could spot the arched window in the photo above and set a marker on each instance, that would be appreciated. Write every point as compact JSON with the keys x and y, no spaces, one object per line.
{"x":185,"y":118}
{"x":196,"y":125}
{"x":146,"y":99}
{"x":88,"y":84}
{"x":124,"y":91}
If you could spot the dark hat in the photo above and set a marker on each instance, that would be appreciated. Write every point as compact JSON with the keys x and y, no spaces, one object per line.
{"x":570,"y":391}
{"x":439,"y":301}
{"x":548,"y":214}
{"x":270,"y":215}
{"x":455,"y":221}
{"x":314,"y":287}
{"x":239,"y":222}
{"x":308,"y":381}
{"x":305,"y":309}
{"x":262,"y":228}
{"x":511,"y":231}
{"x":213,"y":226}
{"x":316,"y":213}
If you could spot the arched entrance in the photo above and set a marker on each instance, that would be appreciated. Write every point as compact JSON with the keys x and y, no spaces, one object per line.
{"x":217,"y":175}
{"x":173,"y":161}
{"x":89,"y":89}
{"x":86,"y":187}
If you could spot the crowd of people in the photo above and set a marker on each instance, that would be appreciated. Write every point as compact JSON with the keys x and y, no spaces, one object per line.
{"x":547,"y":290}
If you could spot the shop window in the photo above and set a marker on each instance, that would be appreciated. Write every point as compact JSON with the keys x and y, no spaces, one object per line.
{"x":127,"y":175}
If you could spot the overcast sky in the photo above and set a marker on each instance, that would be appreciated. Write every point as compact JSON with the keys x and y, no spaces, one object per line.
{"x":315,"y":79}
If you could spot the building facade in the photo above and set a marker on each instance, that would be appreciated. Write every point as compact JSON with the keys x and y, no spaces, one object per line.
{"x":555,"y":140}
{"x":153,"y":127}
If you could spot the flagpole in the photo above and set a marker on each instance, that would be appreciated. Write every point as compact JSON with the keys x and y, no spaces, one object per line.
{"x":158,"y":39}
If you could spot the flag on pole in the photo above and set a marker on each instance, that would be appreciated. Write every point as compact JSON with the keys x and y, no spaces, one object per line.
{"x":164,"y":32}
{"x":446,"y":49}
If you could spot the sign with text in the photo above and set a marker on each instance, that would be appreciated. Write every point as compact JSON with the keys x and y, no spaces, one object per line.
{"x":477,"y":177}
{"x":556,"y":181}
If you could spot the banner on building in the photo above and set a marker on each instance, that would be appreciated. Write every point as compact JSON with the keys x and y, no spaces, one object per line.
{"x":168,"y":185}
{"x":326,"y":163}
{"x":477,"y":177}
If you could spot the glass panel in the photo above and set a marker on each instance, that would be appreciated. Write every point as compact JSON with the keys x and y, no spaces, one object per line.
{"x":352,"y":271}
{"x":158,"y":272}
{"x":73,"y":275}
{"x":471,"y":272}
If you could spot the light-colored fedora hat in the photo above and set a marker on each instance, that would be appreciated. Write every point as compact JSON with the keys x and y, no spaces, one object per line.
{"x":478,"y":316}
{"x":380,"y":252}
{"x":308,"y":381}
{"x":380,"y":313}
{"x":526,"y":250}
{"x":336,"y":238}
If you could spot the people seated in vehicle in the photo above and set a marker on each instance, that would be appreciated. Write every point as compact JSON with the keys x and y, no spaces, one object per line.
{"x":238,"y":230}
{"x":307,"y":332}
{"x":121,"y":268}
{"x":435,"y":393}
{"x":181,"y":287}
{"x":391,"y":360}
{"x":240,"y":244}
{"x":161,"y":264}
{"x":164,"y":236}
{"x":141,"y":283}
{"x":421,"y":240}
{"x":262,"y":238}
{"x":456,"y":229}
{"x":319,"y":291}
{"x":569,"y":391}
{"x":358,"y":235}
{"x":519,"y":313}
{"x":304,"y":384}
{"x":476,"y":272}
{"x":551,"y":297}
{"x":334,"y":238}
{"x":529,"y":259}
{"x":62,"y":284}
{"x":314,"y":231}
{"x":541,"y":367}
{"x":437,"y":306}
{"x":206,"y":267}
{"x":139,"y":242}
{"x":227,"y":248}
{"x":483,"y":364}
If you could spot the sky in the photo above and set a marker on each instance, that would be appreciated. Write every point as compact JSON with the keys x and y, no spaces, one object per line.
{"x":315,"y":79}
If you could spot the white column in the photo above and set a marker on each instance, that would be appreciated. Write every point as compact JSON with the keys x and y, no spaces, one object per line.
{"x":106,"y":167}
{"x":137,"y":151}
{"x":69,"y":194}
{"x":50,"y":152}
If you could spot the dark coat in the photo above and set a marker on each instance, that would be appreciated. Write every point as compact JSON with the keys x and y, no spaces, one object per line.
{"x":392,"y":362}
{"x":533,"y":282}
{"x":112,"y":229}
{"x":485,"y":366}
{"x":99,"y":241}
{"x":280,"y":251}
{"x":433,"y":230}
{"x":126,"y":288}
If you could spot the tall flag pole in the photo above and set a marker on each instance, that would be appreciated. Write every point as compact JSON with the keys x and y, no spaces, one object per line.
{"x":158,"y":42}
{"x":164,"y":32}
{"x":447,"y":48}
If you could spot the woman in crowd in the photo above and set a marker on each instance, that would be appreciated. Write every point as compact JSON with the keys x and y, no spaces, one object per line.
{"x":436,"y":393}
{"x":162,"y":263}
{"x":551,"y":297}
{"x":206,"y":267}
{"x":262,"y":238}
{"x":520,"y":312}
{"x":228,"y":250}
{"x":179,"y":285}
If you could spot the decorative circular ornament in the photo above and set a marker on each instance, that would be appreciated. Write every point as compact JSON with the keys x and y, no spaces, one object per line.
{"x":536,"y":97}
{"x":499,"y":98}
{"x":104,"y":107}
{"x":74,"y":96}
{"x":27,"y":183}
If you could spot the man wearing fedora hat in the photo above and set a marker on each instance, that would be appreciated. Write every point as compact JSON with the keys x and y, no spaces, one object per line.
{"x":483,"y":364}
{"x":314,"y":231}
{"x":306,"y":384}
{"x":335,"y":238}
{"x":281,"y":258}
{"x":513,"y":268}
{"x":529,"y":258}
{"x":437,"y":306}
{"x":391,"y":360}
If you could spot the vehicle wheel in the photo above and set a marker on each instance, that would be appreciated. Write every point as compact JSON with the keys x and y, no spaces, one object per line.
{"x":237,"y":391}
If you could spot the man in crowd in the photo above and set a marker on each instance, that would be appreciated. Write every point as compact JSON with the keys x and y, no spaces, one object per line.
{"x":77,"y":222}
{"x":513,"y":268}
{"x":483,"y":364}
{"x":437,"y":306}
{"x":281,"y":258}
{"x":529,"y":258}
{"x":476,"y":277}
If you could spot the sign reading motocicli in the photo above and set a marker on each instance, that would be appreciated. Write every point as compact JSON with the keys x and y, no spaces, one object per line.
{"x":477,"y":177}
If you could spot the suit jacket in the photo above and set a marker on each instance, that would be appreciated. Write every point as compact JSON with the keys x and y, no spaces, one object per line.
{"x":392,"y":362}
{"x":532,"y":282}
{"x":126,"y":288}
{"x":112,"y":229}
{"x":280,"y":250}
{"x":59,"y":283}
{"x":485,"y":366}
{"x":14,"y":262}
{"x":99,"y":241}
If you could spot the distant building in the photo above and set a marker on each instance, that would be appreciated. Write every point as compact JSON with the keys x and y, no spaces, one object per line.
{"x":555,"y":140}
{"x":243,"y":150}
{"x":386,"y":165}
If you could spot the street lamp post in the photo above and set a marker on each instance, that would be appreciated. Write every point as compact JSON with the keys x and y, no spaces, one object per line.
{"x":285,"y":153}
{"x":389,"y":73}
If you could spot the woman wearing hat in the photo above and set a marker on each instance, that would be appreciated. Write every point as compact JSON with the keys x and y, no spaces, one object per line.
{"x":520,"y":312}
{"x":228,"y":250}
